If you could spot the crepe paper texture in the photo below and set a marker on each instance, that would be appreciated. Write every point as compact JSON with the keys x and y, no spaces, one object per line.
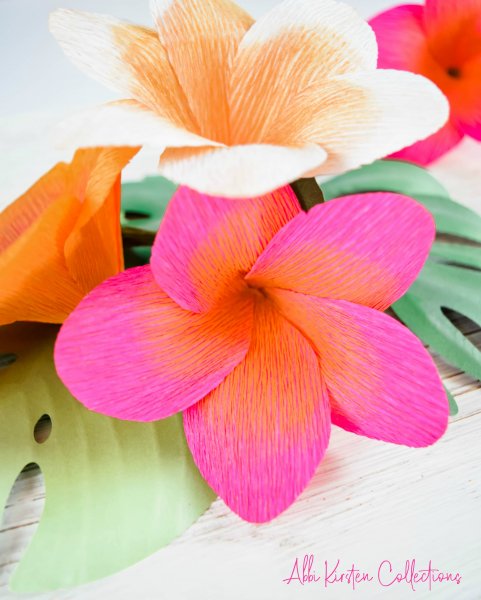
{"x":263,"y":324}
{"x":451,"y":278}
{"x":150,"y":189}
{"x":62,"y":237}
{"x":115,"y":491}
{"x":442,"y":41}
{"x":238,"y":108}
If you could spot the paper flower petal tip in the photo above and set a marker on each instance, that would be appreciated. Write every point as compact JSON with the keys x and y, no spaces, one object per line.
{"x":62,"y":237}
{"x":349,"y":249}
{"x":165,"y":358}
{"x":383,"y":398}
{"x":225,"y":100}
{"x":267,"y":425}
{"x":259,"y":322}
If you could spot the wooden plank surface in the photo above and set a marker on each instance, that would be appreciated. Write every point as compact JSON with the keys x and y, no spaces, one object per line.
{"x":367,"y":502}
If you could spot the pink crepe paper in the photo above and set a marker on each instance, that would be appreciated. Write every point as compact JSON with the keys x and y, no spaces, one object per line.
{"x":442,"y":41}
{"x":262,"y":323}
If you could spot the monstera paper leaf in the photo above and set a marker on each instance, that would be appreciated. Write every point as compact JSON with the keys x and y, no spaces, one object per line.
{"x":451,"y":278}
{"x":115,"y":491}
{"x":143,"y":207}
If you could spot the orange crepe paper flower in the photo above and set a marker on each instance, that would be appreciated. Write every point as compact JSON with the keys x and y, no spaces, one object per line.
{"x":238,"y":108}
{"x":440,"y":40}
{"x":62,"y":237}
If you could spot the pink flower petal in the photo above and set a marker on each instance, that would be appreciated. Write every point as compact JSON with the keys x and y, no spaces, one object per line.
{"x":442,"y":14}
{"x":401,"y":38}
{"x":382,"y":382}
{"x":128,"y":351}
{"x":472,"y":129}
{"x":403,"y":44}
{"x":259,"y":436}
{"x":366,"y":249}
{"x":433,"y":147}
{"x":205,"y":245}
{"x":467,"y":96}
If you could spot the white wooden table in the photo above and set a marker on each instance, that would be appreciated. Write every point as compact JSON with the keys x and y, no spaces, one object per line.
{"x":368,"y":501}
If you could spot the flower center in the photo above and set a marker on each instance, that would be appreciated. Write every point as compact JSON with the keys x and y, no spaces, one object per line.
{"x":454,"y":72}
{"x":258,"y":292}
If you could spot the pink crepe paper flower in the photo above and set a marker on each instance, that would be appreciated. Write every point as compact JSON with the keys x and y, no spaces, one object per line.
{"x":264,"y":325}
{"x":238,"y":108}
{"x":440,"y":40}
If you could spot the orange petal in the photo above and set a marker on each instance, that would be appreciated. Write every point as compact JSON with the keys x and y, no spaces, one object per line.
{"x":93,"y":250}
{"x":453,"y":30}
{"x":126,"y":58}
{"x":23,"y":213}
{"x":465,"y":97}
{"x":35,"y":284}
{"x":201,"y":38}
{"x":60,"y":241}
{"x":292,"y":46}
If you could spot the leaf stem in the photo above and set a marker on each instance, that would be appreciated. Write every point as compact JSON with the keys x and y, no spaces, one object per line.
{"x":308,"y":192}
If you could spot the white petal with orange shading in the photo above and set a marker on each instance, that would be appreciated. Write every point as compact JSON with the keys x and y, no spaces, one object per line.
{"x":289,"y":48}
{"x":201,"y":38}
{"x":240,"y":171}
{"x":123,"y":123}
{"x":367,"y":115}
{"x":126,"y":58}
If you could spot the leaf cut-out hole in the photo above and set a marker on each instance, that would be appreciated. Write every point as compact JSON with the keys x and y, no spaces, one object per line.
{"x":27,"y":497}
{"x":464,"y":324}
{"x":42,"y":429}
{"x":457,"y":239}
{"x":134,"y":215}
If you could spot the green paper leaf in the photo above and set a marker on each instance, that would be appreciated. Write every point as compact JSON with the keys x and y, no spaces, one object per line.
{"x":143,"y":207}
{"x":453,"y":407}
{"x":438,"y":287}
{"x":408,"y":179}
{"x":144,"y":202}
{"x":116,"y":491}
{"x":456,"y":254}
{"x":450,"y":279}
